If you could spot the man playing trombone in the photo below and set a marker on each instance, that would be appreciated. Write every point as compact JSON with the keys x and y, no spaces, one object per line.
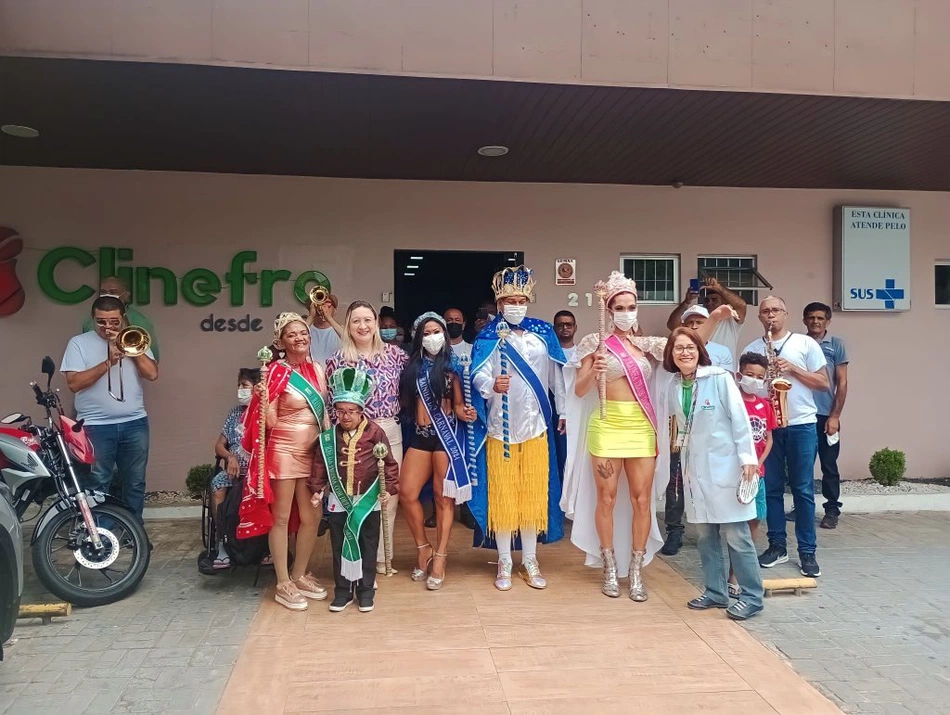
{"x":105,"y":369}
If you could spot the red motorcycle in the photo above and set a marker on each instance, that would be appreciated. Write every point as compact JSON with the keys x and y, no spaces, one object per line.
{"x":88,"y":547}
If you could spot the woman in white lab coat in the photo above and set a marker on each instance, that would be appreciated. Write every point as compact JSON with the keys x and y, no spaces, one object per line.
{"x":711,"y":430}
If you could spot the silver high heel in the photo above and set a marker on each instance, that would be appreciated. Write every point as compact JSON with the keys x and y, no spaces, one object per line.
{"x":419,"y":574}
{"x":638,"y":592}
{"x":434,"y":583}
{"x":610,"y":588}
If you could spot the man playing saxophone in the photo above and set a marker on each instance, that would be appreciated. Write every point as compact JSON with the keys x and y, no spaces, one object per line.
{"x":99,"y":373}
{"x":798,"y":361}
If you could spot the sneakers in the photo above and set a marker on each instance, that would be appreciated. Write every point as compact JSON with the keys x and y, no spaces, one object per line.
{"x":830,"y":521}
{"x":309,"y":587}
{"x":503,"y":577}
{"x":674,"y":542}
{"x":773,"y":556}
{"x":340,"y":602}
{"x":366,"y":602}
{"x":740,"y":610}
{"x":790,"y":516}
{"x":809,"y":565}
{"x":531,"y":573}
{"x":705,"y":602}
{"x":288,"y":596}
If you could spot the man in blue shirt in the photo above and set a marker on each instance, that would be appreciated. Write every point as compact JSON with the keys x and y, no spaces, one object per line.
{"x":830,"y":404}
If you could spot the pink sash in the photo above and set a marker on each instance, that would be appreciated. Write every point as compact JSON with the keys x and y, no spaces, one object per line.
{"x":634,"y":375}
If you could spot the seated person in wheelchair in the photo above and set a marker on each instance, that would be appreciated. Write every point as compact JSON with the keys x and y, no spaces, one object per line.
{"x":231,"y":455}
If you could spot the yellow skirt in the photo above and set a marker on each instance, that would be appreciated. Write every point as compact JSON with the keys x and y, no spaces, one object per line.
{"x":518,"y":488}
{"x":626,"y":432}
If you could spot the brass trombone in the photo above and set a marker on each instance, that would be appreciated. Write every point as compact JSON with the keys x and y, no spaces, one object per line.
{"x":131,"y":341}
{"x":319,"y":295}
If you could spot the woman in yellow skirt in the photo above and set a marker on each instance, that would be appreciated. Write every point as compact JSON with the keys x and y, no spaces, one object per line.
{"x":615,"y":519}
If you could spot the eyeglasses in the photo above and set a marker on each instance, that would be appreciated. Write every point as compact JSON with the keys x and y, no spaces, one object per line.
{"x":348,"y":413}
{"x":685,"y":349}
{"x":771,"y":311}
{"x":108,"y":323}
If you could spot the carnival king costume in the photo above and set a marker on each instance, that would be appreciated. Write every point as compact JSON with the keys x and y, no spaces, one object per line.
{"x":630,"y":429}
{"x":517,"y":485}
{"x":347,"y":463}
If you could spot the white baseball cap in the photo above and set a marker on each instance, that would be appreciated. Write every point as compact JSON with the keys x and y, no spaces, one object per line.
{"x":694,"y":310}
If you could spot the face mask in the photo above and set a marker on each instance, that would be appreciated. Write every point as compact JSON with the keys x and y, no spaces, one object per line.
{"x":455,"y":330}
{"x":753,"y":386}
{"x":388,"y":333}
{"x":434,"y":343}
{"x":244,"y":395}
{"x":625,"y":320}
{"x":514,"y":314}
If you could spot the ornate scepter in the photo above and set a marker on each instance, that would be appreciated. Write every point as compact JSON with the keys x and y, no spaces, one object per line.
{"x":503,"y":331}
{"x":264,"y":355}
{"x":380,"y":451}
{"x":600,"y":288}
{"x":466,"y":362}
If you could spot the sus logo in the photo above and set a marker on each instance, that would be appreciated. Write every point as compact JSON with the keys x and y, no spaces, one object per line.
{"x":11,"y":290}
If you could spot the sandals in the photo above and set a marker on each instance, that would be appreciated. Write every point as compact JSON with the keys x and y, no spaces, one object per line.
{"x":734,"y":590}
{"x":221,"y":562}
{"x":419,"y":574}
{"x":434,"y":583}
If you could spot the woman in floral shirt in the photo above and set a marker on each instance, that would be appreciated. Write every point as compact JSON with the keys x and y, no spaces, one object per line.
{"x":363,"y":347}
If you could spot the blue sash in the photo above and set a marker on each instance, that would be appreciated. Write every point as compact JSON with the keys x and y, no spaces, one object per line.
{"x":457,"y":484}
{"x":534,"y":382}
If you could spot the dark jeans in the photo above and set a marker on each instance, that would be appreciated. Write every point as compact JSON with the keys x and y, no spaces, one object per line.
{"x":793,"y":458}
{"x":673,"y":515}
{"x":560,"y":444}
{"x":830,"y":478}
{"x":369,"y":544}
{"x":121,"y":448}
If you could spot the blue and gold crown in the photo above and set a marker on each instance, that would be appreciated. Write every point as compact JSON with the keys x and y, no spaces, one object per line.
{"x":350,"y":384}
{"x":513,"y":281}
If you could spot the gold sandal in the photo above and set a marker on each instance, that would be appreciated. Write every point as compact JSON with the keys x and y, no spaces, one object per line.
{"x":419,"y":574}
{"x":434,"y":583}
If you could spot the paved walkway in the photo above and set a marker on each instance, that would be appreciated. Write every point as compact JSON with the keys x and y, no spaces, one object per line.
{"x":875,"y":635}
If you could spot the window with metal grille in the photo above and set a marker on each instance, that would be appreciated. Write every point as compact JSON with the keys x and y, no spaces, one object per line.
{"x":657,"y":277}
{"x":737,"y":273}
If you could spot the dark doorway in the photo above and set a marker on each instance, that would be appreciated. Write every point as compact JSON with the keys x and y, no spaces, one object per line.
{"x":438,"y":280}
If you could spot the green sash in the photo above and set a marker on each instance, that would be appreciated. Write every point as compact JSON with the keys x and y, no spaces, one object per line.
{"x":358,"y":508}
{"x":299,"y":384}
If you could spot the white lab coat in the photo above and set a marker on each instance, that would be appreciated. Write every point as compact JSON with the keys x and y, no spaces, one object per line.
{"x":719,"y":444}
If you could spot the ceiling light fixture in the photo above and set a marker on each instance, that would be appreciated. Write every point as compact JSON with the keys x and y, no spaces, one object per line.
{"x":413,"y":267}
{"x":415,"y":258}
{"x":19,"y":131}
{"x":493,"y":150}
{"x":409,"y":274}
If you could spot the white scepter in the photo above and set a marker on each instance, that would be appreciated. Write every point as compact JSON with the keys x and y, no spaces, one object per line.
{"x":503,"y":331}
{"x":600,"y":288}
{"x":466,"y":362}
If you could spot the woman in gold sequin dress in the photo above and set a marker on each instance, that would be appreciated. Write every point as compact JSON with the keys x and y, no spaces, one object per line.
{"x":296,"y":415}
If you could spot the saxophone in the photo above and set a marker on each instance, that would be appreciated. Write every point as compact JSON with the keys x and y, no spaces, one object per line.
{"x":778,"y":385}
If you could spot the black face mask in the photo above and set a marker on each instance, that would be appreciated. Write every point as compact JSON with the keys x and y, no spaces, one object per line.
{"x":454,"y":330}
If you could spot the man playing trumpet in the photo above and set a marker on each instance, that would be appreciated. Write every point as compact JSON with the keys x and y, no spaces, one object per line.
{"x":118,"y":428}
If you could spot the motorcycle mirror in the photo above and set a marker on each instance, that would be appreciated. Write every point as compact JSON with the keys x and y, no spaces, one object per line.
{"x":78,"y":426}
{"x":49,"y":367}
{"x":13,"y":419}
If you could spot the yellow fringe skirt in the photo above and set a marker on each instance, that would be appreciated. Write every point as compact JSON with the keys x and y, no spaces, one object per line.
{"x":625,"y":433}
{"x":518,"y":488}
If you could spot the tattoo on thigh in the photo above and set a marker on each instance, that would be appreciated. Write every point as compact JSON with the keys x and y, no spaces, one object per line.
{"x":605,"y":470}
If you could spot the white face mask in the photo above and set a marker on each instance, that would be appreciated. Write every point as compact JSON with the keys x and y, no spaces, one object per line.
{"x":625,"y":320}
{"x":434,"y":343}
{"x":244,"y":395}
{"x":753,"y":386}
{"x":514,"y":314}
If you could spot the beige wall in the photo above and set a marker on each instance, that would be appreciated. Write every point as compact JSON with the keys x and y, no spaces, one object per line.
{"x":887,"y":48}
{"x":348,"y":228}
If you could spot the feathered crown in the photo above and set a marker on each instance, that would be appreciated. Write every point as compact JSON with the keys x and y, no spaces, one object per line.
{"x":618,"y":283}
{"x":513,"y":281}
{"x":350,"y":384}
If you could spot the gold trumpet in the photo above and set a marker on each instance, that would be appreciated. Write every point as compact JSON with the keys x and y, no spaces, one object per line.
{"x":319,"y":295}
{"x":131,"y":341}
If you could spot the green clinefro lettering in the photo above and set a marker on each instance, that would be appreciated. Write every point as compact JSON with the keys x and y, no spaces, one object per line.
{"x":236,"y":276}
{"x":46,"y":274}
{"x":143,"y":285}
{"x":268,"y":279}
{"x":302,"y":285}
{"x":199,"y":286}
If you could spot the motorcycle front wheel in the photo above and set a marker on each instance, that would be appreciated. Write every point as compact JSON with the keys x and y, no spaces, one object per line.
{"x":69,"y":565}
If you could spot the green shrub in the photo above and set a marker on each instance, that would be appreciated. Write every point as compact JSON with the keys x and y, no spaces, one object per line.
{"x":197,"y":479}
{"x":887,"y":466}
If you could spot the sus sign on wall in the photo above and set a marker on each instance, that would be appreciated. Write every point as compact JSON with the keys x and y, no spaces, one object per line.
{"x":872,"y":258}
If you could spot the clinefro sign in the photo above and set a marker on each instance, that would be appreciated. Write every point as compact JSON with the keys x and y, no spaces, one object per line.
{"x":872,"y":258}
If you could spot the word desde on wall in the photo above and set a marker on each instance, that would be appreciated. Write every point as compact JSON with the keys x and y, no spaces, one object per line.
{"x":199,"y":286}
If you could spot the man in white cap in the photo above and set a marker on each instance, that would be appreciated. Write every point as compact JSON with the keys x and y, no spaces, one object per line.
{"x":721,"y":356}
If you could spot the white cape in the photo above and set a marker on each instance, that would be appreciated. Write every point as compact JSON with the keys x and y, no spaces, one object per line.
{"x":579,"y":493}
